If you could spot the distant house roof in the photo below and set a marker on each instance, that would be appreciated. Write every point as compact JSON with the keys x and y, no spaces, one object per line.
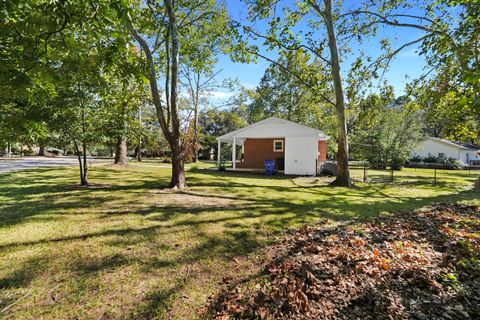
{"x":460,"y":145}
{"x":468,"y":145}
{"x":271,"y":128}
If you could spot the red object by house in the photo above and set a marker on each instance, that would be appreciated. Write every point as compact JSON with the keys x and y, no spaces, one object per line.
{"x":322,"y":151}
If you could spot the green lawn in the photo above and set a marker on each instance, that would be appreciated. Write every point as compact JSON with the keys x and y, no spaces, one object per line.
{"x":125,"y":248}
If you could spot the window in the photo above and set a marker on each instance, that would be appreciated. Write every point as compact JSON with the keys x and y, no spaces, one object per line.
{"x":278,"y":145}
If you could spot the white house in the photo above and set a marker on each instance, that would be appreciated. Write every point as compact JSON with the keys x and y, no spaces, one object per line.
{"x":467,"y":153}
{"x":298,"y":148}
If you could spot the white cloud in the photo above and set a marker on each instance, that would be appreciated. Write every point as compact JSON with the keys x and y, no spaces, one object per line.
{"x":220,"y":94}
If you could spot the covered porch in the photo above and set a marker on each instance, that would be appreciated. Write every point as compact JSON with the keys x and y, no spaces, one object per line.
{"x":234,"y":142}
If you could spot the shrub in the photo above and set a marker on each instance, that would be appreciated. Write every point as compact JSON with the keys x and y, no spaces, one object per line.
{"x":396,"y":166}
{"x":416,"y":159}
{"x":54,"y":151}
{"x":222,"y":166}
{"x":28,"y":152}
{"x":448,"y":160}
{"x":430,"y":159}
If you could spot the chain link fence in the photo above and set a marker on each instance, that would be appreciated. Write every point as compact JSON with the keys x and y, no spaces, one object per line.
{"x":434,"y":174}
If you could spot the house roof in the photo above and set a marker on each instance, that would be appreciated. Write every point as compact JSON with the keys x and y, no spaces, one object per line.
{"x":459,"y":145}
{"x":273,"y":127}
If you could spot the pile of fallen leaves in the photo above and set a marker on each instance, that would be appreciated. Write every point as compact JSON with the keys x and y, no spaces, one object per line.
{"x":409,"y":265}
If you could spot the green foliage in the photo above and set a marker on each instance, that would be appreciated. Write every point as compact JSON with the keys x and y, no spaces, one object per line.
{"x":451,"y":99}
{"x":282,"y":95}
{"x":430,"y":159}
{"x":214,"y":123}
{"x":443,"y":109}
{"x":450,"y":163}
{"x":415,"y":159}
{"x":53,"y":55}
{"x":385,"y":132}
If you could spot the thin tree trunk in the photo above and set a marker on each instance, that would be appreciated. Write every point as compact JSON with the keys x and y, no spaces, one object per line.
{"x":85,"y":165}
{"x":79,"y":156}
{"x":41,"y":151}
{"x":195,"y":135}
{"x":195,"y":117}
{"x":343,"y":173}
{"x":138,"y":148}
{"x":84,"y":146}
{"x":121,"y":150}
{"x":138,"y":151}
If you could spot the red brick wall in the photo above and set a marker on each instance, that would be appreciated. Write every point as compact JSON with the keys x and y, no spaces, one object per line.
{"x":322,"y":149}
{"x":258,"y":150}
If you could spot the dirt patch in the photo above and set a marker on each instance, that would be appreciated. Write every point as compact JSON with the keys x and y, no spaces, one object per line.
{"x":197,"y":200}
{"x":409,"y":265}
{"x":89,"y":186}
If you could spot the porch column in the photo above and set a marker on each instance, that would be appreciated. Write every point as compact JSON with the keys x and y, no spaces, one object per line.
{"x":234,"y":154}
{"x":218,"y":153}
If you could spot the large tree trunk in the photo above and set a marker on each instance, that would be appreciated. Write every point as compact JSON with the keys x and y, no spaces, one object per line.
{"x":121,"y":150}
{"x":178,"y":180}
{"x":343,"y":173}
{"x":121,"y":147}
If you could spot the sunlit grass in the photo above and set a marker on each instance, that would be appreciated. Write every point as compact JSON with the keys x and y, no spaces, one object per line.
{"x":126,"y":248}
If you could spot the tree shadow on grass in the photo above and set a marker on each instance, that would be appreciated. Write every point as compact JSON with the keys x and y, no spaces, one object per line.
{"x":243,"y":221}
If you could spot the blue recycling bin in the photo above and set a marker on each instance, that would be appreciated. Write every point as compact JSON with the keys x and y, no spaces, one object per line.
{"x":269,"y":167}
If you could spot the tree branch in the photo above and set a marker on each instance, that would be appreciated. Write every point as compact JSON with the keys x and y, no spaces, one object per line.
{"x":290,"y":72}
{"x":152,"y":77}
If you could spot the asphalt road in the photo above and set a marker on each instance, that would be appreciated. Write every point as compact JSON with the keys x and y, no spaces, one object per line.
{"x":7,"y":165}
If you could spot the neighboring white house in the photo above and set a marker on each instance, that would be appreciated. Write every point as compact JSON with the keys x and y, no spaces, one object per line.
{"x":437,"y":147}
{"x":299,"y":149}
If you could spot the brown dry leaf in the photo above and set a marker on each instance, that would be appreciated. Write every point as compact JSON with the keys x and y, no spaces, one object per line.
{"x":341,"y":277}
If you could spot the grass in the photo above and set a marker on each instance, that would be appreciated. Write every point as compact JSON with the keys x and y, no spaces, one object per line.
{"x":126,"y":248}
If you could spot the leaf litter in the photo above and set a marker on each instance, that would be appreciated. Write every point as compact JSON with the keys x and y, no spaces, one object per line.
{"x":421,"y":264}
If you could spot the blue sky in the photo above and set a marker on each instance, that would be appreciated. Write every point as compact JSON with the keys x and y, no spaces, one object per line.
{"x":407,"y":63}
